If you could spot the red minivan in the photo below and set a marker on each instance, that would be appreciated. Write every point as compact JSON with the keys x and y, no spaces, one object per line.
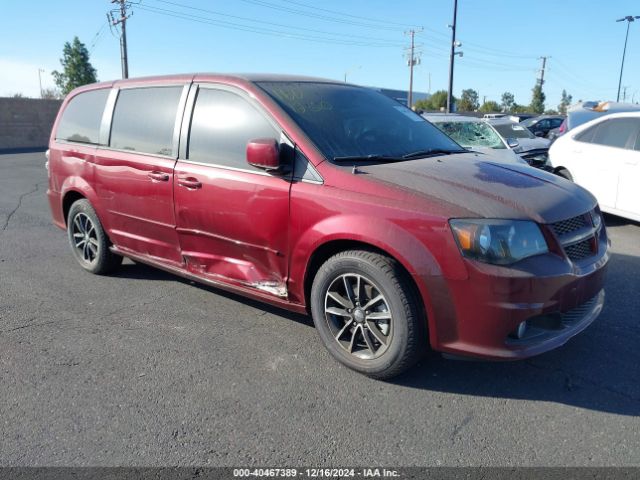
{"x":329,"y":198}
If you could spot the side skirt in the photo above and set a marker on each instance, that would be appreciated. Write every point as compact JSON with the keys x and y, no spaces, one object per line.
{"x":237,"y":289}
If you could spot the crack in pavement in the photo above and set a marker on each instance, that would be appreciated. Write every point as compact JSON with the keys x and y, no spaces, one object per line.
{"x":36,"y":187}
{"x":571,"y":376}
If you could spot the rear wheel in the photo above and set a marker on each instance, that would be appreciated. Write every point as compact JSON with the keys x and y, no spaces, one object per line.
{"x":367,"y":313}
{"x":89,"y":243}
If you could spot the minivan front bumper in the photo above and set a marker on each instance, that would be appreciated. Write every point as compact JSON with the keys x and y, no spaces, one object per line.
{"x":556,"y":299}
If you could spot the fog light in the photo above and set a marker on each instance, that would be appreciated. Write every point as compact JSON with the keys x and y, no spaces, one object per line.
{"x":521,"y":330}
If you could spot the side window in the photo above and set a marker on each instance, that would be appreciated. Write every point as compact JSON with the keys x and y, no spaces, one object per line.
{"x":144,"y":119}
{"x":619,"y":132}
{"x":222,"y":125}
{"x":556,"y":122}
{"x":81,"y":118}
{"x":587,"y":135}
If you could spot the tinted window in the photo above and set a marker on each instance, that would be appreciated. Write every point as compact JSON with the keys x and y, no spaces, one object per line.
{"x":81,"y":119}
{"x":222,"y":125}
{"x":144,"y":119}
{"x":345,"y":120}
{"x":618,"y":132}
{"x":556,"y":122}
{"x":587,"y":135}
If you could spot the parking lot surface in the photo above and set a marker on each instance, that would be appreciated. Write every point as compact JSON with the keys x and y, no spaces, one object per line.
{"x":144,"y":368}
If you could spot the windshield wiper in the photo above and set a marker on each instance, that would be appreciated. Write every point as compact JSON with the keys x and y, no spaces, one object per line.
{"x":431,"y":152}
{"x":367,"y":158}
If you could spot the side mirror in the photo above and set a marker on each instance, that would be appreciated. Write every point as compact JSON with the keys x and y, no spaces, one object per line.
{"x":264,"y":153}
{"x":539,"y":133}
{"x":512,"y":142}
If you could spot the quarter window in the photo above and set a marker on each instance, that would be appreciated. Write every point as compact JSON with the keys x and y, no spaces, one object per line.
{"x":82,"y":117}
{"x":144,"y":119}
{"x":222,"y":125}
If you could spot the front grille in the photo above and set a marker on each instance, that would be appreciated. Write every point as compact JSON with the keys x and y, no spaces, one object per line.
{"x":576,"y":236}
{"x":580,"y":311}
{"x":564,"y":227}
{"x":578,"y":251}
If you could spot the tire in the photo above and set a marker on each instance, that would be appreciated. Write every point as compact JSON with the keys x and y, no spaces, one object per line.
{"x":394,"y":337}
{"x":88,"y":241}
{"x":564,"y":173}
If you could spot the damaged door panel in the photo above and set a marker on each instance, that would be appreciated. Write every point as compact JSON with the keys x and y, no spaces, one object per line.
{"x":232,"y":219}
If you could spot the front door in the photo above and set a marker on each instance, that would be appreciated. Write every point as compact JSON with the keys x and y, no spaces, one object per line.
{"x":629,"y":183}
{"x":232,"y":219}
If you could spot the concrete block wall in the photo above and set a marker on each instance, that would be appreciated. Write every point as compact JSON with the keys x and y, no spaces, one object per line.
{"x":25,"y":123}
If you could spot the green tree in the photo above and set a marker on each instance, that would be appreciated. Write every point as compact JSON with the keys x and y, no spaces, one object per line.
{"x":76,"y":68}
{"x":435,"y":102}
{"x":565,"y":101}
{"x":489,"y":106}
{"x":507,"y":101}
{"x":537,"y":99}
{"x":468,"y":101}
{"x":517,"y":108}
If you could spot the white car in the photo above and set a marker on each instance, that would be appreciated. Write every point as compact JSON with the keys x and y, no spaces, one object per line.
{"x":603,"y":156}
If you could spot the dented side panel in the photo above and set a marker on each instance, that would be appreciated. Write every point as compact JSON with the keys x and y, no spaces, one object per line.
{"x":234,"y":227}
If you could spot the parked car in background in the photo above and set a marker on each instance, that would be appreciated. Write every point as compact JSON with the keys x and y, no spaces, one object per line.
{"x":583,"y":112}
{"x":603,"y":156}
{"x":328,"y":198}
{"x":534,"y":150}
{"x":475,"y":134}
{"x":520,"y":117}
{"x":540,"y":126}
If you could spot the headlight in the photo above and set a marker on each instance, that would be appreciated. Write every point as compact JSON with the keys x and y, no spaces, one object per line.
{"x":500,"y":242}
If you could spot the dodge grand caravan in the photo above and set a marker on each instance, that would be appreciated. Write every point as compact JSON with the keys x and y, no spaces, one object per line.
{"x":328,"y":198}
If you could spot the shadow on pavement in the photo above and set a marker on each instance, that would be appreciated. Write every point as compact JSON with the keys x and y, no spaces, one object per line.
{"x":597,"y":369}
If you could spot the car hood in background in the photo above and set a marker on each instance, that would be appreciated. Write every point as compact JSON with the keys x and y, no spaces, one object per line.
{"x":526,"y":144}
{"x":499,"y":155}
{"x":472,"y":185}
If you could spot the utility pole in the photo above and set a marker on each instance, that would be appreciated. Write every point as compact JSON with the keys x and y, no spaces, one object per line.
{"x":122,"y":21}
{"x":454,"y":44}
{"x":624,"y":93}
{"x":40,"y":71}
{"x":628,"y":19}
{"x":544,"y":65}
{"x":413,"y":60}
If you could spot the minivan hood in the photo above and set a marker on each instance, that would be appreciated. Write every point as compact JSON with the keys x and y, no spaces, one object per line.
{"x":470,"y":184}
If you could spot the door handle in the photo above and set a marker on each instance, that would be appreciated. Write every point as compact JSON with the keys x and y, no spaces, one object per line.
{"x":158,"y":176}
{"x":189,"y":182}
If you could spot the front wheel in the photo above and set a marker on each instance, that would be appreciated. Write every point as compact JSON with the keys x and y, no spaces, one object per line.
{"x":88,"y":240}
{"x":367,"y":313}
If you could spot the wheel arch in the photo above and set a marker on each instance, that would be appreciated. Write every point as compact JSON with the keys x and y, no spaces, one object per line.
{"x":332,"y":247}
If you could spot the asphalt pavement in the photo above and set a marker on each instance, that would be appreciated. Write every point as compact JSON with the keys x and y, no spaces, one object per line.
{"x":144,"y":368}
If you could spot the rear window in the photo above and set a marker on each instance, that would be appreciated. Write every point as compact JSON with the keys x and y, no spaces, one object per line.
{"x":82,"y":117}
{"x":144,"y":119}
{"x":513,"y":130}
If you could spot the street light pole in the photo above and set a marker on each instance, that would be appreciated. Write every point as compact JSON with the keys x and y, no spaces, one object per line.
{"x":40,"y":71}
{"x":628,"y":19}
{"x":452,"y":57}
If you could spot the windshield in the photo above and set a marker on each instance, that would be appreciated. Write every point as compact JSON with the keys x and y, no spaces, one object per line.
{"x":471,"y":134}
{"x":347,"y":121}
{"x":513,"y":130}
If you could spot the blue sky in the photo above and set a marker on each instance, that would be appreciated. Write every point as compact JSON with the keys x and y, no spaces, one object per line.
{"x":502,"y":40}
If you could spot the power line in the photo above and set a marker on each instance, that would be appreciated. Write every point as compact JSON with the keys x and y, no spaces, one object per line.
{"x":247,"y":19}
{"x":262,"y":30}
{"x":266,"y":4}
{"x":360,"y":17}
